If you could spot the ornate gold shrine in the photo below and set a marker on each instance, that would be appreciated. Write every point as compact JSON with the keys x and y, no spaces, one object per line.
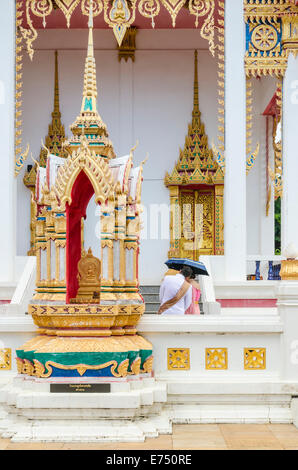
{"x":87,"y":309}
{"x":196,"y":187}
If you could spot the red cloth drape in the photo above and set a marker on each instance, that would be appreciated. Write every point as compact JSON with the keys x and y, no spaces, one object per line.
{"x":82,"y":191}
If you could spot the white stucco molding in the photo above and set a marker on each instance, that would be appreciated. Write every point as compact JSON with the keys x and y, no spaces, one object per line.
{"x":209,"y":324}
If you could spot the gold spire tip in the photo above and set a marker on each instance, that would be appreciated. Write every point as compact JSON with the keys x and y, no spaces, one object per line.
{"x":90,"y":22}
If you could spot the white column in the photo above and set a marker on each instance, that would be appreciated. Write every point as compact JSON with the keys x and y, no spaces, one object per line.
{"x":235,"y":142}
{"x":287,"y":304}
{"x":289,"y":216}
{"x":126,"y":107}
{"x":7,"y":180}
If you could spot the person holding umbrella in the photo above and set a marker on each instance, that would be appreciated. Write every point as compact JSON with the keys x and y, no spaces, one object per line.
{"x":176,"y":293}
{"x":180,"y":293}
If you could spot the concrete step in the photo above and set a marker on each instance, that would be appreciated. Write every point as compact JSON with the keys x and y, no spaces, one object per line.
{"x":152,"y":306}
{"x":150,"y":290}
{"x":150,"y":297}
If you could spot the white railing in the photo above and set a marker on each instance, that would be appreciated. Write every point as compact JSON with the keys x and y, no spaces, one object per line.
{"x":210,"y":306}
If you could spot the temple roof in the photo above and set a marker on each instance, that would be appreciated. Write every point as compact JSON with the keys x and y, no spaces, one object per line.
{"x":196,"y":164}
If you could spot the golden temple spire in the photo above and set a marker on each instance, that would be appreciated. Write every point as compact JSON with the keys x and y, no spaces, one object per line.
{"x":56,"y":133}
{"x":56,"y":113}
{"x":89,"y":102}
{"x":196,"y":110}
{"x":196,"y":164}
{"x":89,"y":122}
{"x":53,"y":144}
{"x":90,"y":26}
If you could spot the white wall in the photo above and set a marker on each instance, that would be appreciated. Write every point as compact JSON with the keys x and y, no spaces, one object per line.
{"x":260,"y":228}
{"x":7,"y":180}
{"x":92,"y":228}
{"x":162,"y":105}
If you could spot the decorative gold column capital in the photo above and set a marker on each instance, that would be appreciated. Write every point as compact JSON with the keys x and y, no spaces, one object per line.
{"x":128,"y":46}
{"x":290,"y":33}
{"x":174,"y":191}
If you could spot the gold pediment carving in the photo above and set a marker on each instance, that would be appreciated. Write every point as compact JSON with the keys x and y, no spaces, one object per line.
{"x":96,"y":169}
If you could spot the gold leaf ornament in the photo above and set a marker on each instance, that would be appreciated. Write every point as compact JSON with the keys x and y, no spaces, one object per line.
{"x":30,"y":34}
{"x":41,"y":8}
{"x":68,"y":7}
{"x":122,"y":368}
{"x":148,"y":365}
{"x":149,"y":9}
{"x":250,"y":160}
{"x":97,"y":7}
{"x":202,"y":8}
{"x":19,"y":162}
{"x":135,"y":367}
{"x":173,"y":7}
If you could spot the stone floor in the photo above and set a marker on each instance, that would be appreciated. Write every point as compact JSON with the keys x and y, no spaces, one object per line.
{"x":191,"y":436}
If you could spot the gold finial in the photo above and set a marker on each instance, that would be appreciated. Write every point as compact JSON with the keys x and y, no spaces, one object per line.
{"x":90,"y":23}
{"x":90,"y":26}
{"x":196,"y":111}
{"x":89,"y":122}
{"x":89,"y":103}
{"x":56,"y":113}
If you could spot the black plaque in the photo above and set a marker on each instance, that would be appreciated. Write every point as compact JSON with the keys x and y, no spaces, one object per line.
{"x":80,"y":388}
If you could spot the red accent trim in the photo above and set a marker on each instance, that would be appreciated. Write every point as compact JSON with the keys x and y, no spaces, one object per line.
{"x":81,"y":193}
{"x":272,"y":109}
{"x":249,"y":303}
{"x":5,"y":301}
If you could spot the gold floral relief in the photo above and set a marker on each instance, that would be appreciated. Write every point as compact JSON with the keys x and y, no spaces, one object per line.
{"x":148,"y":365}
{"x":178,"y":359}
{"x":254,"y":358}
{"x":197,"y":219}
{"x":216,"y":358}
{"x":5,"y":359}
{"x":37,"y":369}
